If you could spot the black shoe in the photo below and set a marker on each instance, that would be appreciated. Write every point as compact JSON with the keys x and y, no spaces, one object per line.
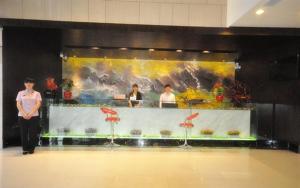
{"x":25,"y":152}
{"x":31,"y":152}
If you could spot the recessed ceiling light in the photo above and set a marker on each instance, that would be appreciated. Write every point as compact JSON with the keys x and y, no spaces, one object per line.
{"x":151,"y":50}
{"x":95,"y":48}
{"x":206,"y":51}
{"x":123,"y":48}
{"x":178,"y":50}
{"x":260,"y":11}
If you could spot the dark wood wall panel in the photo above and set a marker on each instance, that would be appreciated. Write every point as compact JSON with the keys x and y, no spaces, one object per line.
{"x":26,"y":53}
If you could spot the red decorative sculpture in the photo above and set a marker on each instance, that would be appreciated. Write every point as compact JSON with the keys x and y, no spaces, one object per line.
{"x":187,"y":124}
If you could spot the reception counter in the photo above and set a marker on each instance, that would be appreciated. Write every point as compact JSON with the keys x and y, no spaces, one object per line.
{"x":75,"y":121}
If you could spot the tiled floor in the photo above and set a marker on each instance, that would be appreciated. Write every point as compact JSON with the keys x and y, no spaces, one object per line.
{"x":86,"y":167}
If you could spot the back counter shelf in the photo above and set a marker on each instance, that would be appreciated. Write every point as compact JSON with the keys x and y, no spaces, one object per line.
{"x":87,"y":121}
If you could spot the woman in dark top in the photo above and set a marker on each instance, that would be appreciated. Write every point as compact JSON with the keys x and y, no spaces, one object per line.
{"x":135,"y":96}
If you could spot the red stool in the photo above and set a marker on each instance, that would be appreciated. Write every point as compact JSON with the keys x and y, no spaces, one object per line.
{"x":112,"y":118}
{"x":187,"y":124}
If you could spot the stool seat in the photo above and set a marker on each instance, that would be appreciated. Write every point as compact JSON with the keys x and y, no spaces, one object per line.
{"x":193,"y":116}
{"x":108,"y":111}
{"x":187,"y":125}
{"x":112,"y":119}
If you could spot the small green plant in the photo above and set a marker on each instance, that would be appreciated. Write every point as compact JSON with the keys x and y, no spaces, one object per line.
{"x":233,"y":133}
{"x":207,"y":132}
{"x":67,"y":84}
{"x":165,"y":132}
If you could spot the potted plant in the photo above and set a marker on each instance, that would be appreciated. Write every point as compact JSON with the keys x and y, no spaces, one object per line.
{"x":233,"y":133}
{"x":67,"y":85}
{"x":207,"y":132}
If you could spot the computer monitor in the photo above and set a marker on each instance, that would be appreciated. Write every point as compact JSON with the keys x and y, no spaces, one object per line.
{"x":169,"y":105}
{"x":136,"y":102}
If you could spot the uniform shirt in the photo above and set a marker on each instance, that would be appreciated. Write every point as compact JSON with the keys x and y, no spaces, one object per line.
{"x":166,"y":98}
{"x":28,"y":100}
{"x":135,"y":99}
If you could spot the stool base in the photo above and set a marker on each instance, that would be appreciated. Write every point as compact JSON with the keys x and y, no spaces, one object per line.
{"x":185,"y":146}
{"x":111,"y":144}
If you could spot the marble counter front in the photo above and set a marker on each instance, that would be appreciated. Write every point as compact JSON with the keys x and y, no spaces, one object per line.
{"x":150,"y":121}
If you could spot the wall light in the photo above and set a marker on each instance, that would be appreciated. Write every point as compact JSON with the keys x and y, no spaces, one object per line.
{"x":260,"y":11}
{"x":123,"y":48}
{"x":206,"y":51}
{"x":63,"y":56}
{"x":95,"y":48}
{"x":237,"y":66}
{"x":178,"y":50}
{"x":151,"y":50}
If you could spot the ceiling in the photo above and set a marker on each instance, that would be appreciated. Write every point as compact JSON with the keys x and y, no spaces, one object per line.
{"x":277,"y":13}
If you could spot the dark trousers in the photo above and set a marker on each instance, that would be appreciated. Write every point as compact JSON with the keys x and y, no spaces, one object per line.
{"x":29,"y":132}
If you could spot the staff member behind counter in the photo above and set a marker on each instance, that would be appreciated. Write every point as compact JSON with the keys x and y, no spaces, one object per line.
{"x":167,"y":98}
{"x":135,"y":96}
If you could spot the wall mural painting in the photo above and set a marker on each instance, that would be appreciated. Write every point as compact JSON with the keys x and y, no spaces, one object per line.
{"x":96,"y":79}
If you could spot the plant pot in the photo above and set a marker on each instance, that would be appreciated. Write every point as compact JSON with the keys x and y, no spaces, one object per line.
{"x":67,"y":95}
{"x":136,"y":135}
{"x":234,"y":136}
{"x":207,"y":135}
{"x":219,"y":98}
{"x":165,"y":136}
